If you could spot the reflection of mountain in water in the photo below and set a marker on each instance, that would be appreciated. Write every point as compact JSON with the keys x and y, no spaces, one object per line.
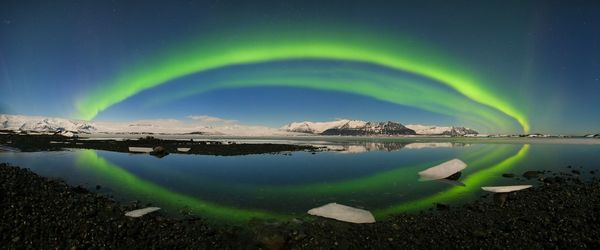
{"x":390,"y":146}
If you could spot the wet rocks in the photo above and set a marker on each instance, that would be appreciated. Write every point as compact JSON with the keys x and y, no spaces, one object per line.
{"x":158,"y":147}
{"x":39,"y":213}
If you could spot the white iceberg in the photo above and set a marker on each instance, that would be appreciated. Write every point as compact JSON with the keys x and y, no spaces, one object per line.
{"x":343,"y":213}
{"x":505,"y":189}
{"x":443,"y":170}
{"x":141,"y":212}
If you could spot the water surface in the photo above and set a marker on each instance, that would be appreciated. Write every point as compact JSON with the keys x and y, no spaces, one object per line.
{"x":380,"y":176}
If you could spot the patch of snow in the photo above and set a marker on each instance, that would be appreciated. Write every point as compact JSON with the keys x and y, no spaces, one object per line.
{"x":422,"y":145}
{"x":67,"y":134}
{"x":319,"y":127}
{"x":428,"y":129}
{"x":183,"y":149}
{"x":140,"y":149}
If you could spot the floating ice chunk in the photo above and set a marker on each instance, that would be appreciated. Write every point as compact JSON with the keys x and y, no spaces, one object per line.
{"x":183,"y":149}
{"x":140,"y":149}
{"x":141,"y":212}
{"x":505,"y":189}
{"x":443,"y":170}
{"x":343,"y":213}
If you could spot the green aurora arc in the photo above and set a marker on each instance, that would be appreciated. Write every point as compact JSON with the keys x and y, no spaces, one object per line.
{"x":353,"y":79}
{"x":239,"y":48}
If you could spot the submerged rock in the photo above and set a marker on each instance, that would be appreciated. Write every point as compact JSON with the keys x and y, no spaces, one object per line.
{"x":271,"y":241}
{"x":441,"y":206}
{"x":505,"y":189}
{"x":500,"y":198}
{"x":531,"y":174}
{"x":141,"y":212}
{"x":454,"y":176}
{"x":508,"y":175}
{"x":343,"y":213}
{"x":443,"y":170}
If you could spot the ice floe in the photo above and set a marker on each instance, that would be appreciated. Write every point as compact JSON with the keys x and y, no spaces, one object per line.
{"x":343,"y":213}
{"x":141,"y":212}
{"x":443,"y":170}
{"x":505,"y":189}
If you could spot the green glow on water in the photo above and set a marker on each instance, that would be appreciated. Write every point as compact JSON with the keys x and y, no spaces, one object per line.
{"x":472,"y":183}
{"x":127,"y":183}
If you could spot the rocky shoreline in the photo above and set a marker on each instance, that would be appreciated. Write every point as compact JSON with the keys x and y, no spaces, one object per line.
{"x":563,"y":211}
{"x":33,"y":143}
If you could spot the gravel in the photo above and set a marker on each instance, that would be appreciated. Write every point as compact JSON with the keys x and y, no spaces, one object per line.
{"x":563,"y":211}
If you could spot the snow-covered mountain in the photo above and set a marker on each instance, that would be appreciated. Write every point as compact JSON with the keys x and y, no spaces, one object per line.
{"x":159,"y":126}
{"x":349,"y":127}
{"x":358,"y":127}
{"x":44,"y":124}
{"x":173,"y":126}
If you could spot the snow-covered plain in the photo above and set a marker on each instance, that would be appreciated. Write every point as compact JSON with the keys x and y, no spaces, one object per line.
{"x":42,"y":124}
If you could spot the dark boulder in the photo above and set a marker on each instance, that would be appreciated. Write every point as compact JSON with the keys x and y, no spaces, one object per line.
{"x":159,"y":151}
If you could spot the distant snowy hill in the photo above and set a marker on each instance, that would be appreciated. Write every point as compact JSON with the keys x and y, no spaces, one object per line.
{"x":358,"y":127}
{"x":160,"y":126}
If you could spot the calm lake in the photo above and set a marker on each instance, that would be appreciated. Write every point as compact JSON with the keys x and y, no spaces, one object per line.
{"x":380,"y":176}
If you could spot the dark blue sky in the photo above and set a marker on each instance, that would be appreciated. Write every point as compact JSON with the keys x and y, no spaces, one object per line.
{"x":544,"y":54}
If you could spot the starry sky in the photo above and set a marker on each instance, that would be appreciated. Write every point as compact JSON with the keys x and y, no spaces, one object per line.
{"x":496,"y":66}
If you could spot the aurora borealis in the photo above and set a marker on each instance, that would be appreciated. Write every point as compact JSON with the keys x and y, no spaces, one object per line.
{"x":500,"y":67}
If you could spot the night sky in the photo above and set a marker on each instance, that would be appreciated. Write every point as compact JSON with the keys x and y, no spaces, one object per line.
{"x":497,"y":66}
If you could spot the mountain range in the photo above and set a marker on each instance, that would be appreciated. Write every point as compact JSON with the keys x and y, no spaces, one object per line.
{"x":40,"y":124}
{"x":359,"y":127}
